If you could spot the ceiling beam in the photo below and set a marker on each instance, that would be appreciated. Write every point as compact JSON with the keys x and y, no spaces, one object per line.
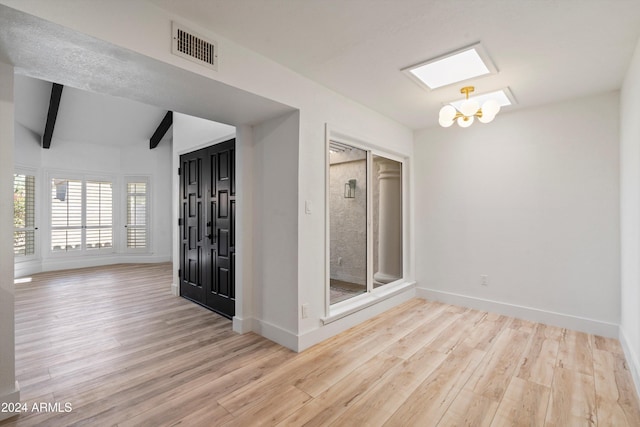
{"x":52,"y":115}
{"x":164,"y":126}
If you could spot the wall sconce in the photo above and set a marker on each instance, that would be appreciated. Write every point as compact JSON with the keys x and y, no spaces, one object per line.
{"x":350,"y":189}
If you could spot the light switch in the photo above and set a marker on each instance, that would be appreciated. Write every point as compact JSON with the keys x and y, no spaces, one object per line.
{"x":307,"y":207}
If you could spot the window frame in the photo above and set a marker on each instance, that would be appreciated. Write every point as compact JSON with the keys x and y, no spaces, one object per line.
{"x":19,"y":170}
{"x":373,"y":295}
{"x":128,"y":179}
{"x":84,"y":178}
{"x":99,"y":227}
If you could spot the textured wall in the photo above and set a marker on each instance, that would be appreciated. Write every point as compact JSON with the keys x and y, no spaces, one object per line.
{"x":348,"y":222}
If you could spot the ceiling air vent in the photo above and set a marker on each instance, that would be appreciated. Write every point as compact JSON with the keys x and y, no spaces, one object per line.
{"x":192,"y":46}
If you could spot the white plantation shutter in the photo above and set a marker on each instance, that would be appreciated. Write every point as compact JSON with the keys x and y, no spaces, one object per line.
{"x":81,"y":215}
{"x":24,"y":214}
{"x":137,"y":213}
{"x":66,"y":215}
{"x":99,"y":214}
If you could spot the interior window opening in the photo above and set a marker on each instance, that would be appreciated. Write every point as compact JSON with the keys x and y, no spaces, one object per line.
{"x":365,"y":221}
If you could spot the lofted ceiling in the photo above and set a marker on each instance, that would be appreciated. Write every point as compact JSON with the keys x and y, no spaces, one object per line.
{"x":545,"y":50}
{"x":85,"y":116}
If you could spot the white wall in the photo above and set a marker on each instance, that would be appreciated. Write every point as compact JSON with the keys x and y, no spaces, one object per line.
{"x":630,"y":215}
{"x":531,"y":200}
{"x":193,"y":133}
{"x":28,"y":151}
{"x":275,"y":225}
{"x":117,"y":161}
{"x":9,"y":389}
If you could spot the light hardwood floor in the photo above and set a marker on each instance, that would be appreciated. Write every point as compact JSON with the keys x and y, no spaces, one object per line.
{"x":121,"y":350}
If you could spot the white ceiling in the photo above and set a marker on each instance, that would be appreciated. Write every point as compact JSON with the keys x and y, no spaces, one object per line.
{"x":545,"y":50}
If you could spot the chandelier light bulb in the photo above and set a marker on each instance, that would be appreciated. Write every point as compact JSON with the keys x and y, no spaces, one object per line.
{"x":448,"y":113}
{"x":445,"y":123}
{"x":469,"y":107}
{"x":465,"y":122}
{"x":486,"y":118}
{"x":490,"y":108}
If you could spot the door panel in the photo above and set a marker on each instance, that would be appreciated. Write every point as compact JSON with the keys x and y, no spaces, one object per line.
{"x":191,"y":259}
{"x":220,"y":294}
{"x":208,"y":227}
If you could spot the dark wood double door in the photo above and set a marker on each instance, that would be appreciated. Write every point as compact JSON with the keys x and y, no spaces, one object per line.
{"x":207,"y":227}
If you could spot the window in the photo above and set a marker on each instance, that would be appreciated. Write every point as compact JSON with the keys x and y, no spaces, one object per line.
{"x":81,"y":215}
{"x":137,"y":215}
{"x":366,"y":232}
{"x":24,"y":216}
{"x":99,"y":216}
{"x":66,"y":215}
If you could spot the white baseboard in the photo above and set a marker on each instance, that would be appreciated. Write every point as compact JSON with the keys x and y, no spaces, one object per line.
{"x":561,"y":320}
{"x":11,"y":397}
{"x":354,"y":318}
{"x":242,"y":326}
{"x":301,"y":342}
{"x":97,"y":261}
{"x":632,"y":359}
{"x":26,"y":268}
{"x":276,"y":334}
{"x":175,"y":290}
{"x":143,"y":259}
{"x":64,"y":263}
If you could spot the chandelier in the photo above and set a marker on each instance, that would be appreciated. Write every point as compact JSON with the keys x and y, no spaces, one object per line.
{"x":469,"y":110}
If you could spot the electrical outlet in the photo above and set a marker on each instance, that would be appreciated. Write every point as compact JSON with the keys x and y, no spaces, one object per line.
{"x":304,"y":311}
{"x":484,"y":280}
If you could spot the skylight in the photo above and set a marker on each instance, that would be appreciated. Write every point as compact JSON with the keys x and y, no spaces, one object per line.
{"x":501,"y":96}
{"x":452,"y":68}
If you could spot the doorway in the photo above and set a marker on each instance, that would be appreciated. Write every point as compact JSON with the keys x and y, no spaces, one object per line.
{"x":207,"y":227}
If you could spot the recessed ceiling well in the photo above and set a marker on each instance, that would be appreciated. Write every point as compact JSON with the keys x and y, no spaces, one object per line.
{"x":453,"y":67}
{"x":502,"y":96}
